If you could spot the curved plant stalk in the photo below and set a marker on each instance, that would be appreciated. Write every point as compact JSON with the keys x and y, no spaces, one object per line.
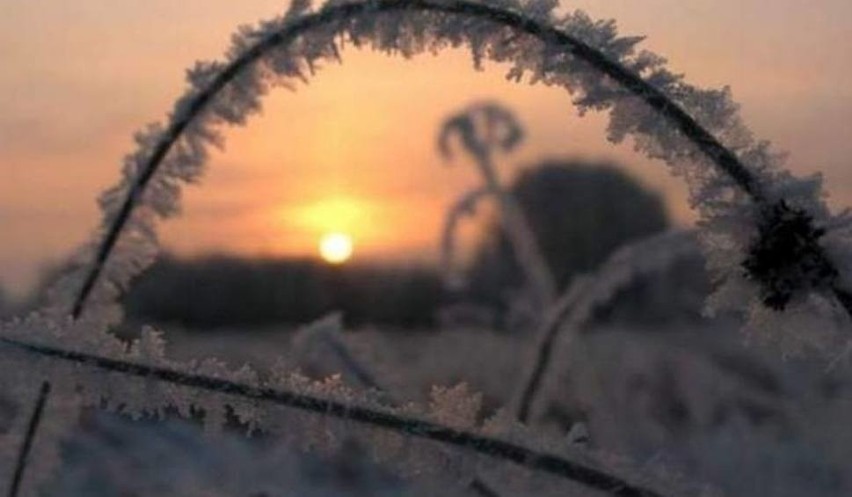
{"x":586,"y":293}
{"x":29,"y":439}
{"x":492,"y":447}
{"x":485,"y":129}
{"x":557,"y":41}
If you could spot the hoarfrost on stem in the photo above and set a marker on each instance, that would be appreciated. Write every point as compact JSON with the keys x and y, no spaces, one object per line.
{"x":735,"y":180}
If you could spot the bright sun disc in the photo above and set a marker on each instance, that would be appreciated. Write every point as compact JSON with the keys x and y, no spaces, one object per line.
{"x":336,"y":248}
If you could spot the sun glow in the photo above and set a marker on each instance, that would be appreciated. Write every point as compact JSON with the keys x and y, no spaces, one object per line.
{"x":336,"y":248}
{"x":336,"y":214}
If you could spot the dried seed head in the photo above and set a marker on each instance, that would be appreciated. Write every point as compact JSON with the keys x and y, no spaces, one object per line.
{"x":787,"y":259}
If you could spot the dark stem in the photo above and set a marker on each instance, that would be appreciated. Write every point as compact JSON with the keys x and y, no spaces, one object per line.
{"x":541,"y":362}
{"x":361,"y":374}
{"x":548,"y":332}
{"x":26,"y":446}
{"x":499,"y":449}
{"x":632,"y":82}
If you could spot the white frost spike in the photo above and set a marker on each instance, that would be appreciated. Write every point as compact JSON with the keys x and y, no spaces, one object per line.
{"x":455,"y":406}
{"x":578,"y":434}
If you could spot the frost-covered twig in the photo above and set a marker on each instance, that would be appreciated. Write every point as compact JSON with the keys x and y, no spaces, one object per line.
{"x":29,"y":437}
{"x":557,"y":50}
{"x":482,"y":444}
{"x":589,"y":292}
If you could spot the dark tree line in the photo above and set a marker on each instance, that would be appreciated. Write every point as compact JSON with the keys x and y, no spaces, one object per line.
{"x":229,"y":291}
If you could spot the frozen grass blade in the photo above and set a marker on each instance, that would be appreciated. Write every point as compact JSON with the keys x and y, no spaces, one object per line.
{"x":499,"y":449}
{"x":588,"y":292}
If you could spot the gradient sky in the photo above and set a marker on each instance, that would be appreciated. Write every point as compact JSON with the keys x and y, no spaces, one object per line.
{"x":79,"y":77}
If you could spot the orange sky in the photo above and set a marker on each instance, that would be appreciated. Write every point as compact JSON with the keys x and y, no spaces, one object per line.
{"x":79,"y":77}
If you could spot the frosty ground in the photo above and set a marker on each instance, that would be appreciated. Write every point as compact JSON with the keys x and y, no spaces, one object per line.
{"x":689,"y":399}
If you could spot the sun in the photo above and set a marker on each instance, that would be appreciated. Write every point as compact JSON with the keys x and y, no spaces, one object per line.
{"x":336,"y":248}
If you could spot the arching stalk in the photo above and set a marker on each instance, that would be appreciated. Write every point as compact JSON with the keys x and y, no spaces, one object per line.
{"x":492,"y":447}
{"x":726,"y":160}
{"x":576,"y":305}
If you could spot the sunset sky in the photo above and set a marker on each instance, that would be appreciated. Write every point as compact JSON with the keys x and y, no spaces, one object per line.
{"x":354,"y":151}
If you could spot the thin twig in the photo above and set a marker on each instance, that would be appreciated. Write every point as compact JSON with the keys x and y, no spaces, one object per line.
{"x":564,"y":313}
{"x":361,"y":373}
{"x":29,"y":437}
{"x":499,"y":449}
{"x":726,"y":160}
{"x":548,"y":332}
